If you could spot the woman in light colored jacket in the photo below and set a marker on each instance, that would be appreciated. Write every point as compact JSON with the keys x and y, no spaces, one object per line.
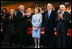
{"x":36,"y":22}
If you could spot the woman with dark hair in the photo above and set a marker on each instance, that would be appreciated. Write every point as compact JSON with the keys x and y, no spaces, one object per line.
{"x":4,"y":16}
{"x":36,"y":22}
{"x":4,"y":11}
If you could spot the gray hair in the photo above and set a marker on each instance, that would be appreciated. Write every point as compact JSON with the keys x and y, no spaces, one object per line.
{"x":20,"y":7}
{"x":62,"y":5}
{"x":12,"y":10}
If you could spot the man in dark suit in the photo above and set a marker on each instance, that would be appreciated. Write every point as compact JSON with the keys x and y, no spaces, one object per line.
{"x":61,"y":21}
{"x":48,"y":23}
{"x":21,"y":25}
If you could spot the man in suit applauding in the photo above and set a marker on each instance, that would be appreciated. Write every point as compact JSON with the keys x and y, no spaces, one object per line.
{"x":62,"y":20}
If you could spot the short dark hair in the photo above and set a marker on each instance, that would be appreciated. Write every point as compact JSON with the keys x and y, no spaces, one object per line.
{"x":38,"y":10}
{"x":4,"y":9}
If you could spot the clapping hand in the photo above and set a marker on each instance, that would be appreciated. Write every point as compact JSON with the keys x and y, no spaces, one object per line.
{"x":60,"y":16}
{"x":10,"y":17}
{"x":3,"y":17}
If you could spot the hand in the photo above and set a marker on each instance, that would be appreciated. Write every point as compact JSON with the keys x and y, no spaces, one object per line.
{"x":43,"y":27}
{"x":60,"y":16}
{"x":55,"y":33}
{"x":27,"y":14}
{"x":54,"y":29}
{"x":36,"y":28}
{"x":3,"y":17}
{"x":24,"y":14}
{"x":28,"y":19}
{"x":70,"y":21}
{"x":10,"y":17}
{"x":1,"y":13}
{"x":68,"y":34}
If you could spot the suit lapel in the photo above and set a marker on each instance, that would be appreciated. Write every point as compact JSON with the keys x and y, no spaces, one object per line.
{"x":51,"y":12}
{"x":46,"y":15}
{"x":50,"y":15}
{"x":64,"y":13}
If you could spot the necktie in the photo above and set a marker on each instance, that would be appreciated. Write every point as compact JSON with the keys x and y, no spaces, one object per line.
{"x":48,"y":14}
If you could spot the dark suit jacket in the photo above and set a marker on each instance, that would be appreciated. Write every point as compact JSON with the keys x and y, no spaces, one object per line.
{"x":30,"y":17}
{"x":10,"y":27}
{"x":49,"y":23}
{"x":63,"y":23}
{"x":20,"y":17}
{"x":21,"y":22}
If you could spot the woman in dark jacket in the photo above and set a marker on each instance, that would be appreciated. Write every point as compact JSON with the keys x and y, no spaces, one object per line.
{"x":4,"y":16}
{"x":28,"y":25}
{"x":11,"y":28}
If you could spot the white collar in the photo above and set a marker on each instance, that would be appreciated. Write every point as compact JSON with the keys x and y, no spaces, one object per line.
{"x":62,"y":12}
{"x":50,"y":11}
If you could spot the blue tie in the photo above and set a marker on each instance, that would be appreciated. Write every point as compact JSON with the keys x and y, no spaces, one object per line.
{"x":48,"y":14}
